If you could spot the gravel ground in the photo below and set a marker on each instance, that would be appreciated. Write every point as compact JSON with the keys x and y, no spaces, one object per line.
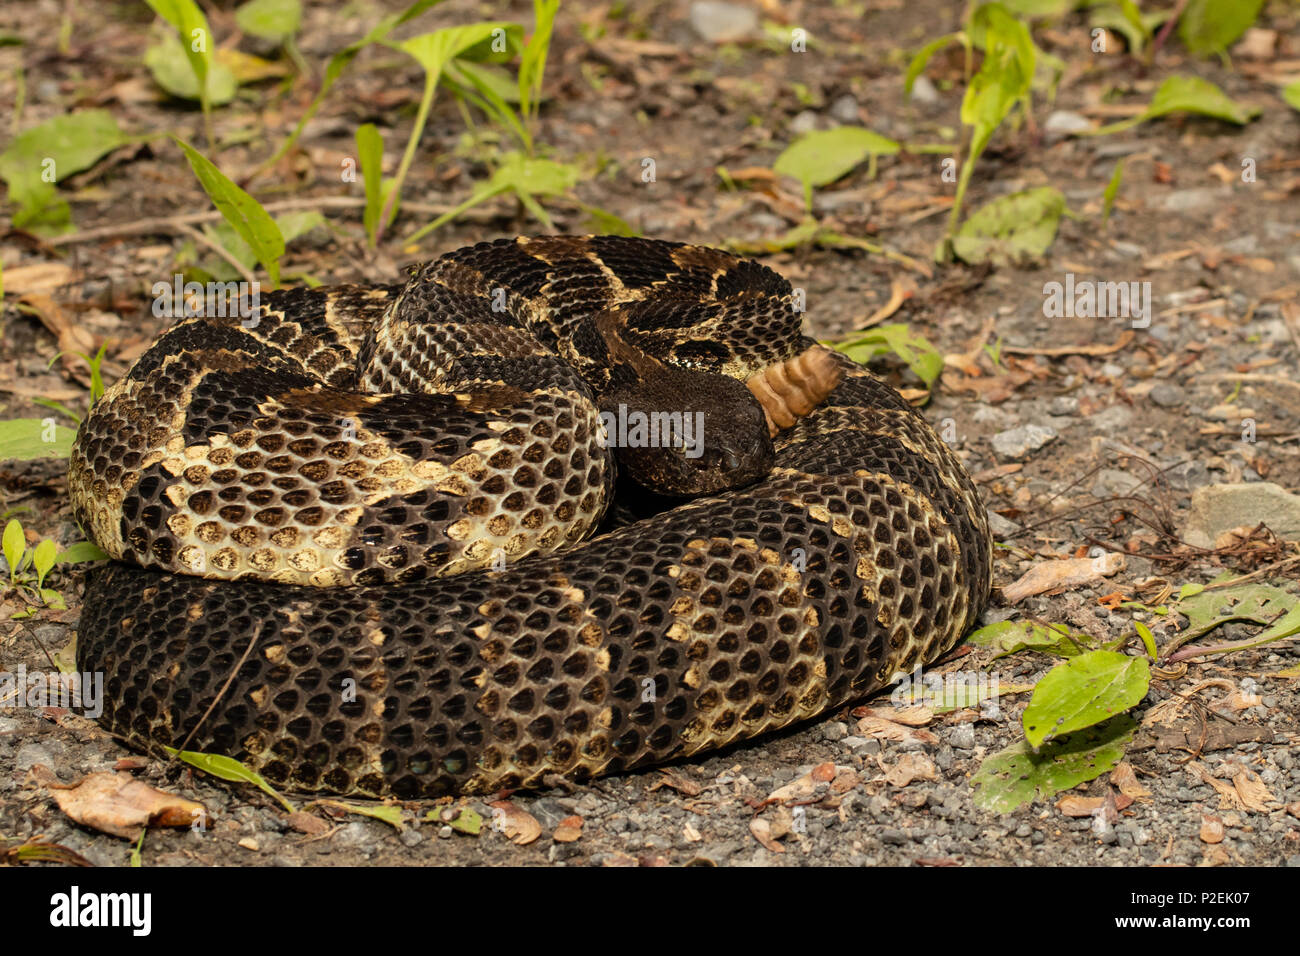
{"x":1047,"y":436}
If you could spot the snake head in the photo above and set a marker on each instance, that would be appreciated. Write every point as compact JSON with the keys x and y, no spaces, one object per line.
{"x":690,"y":433}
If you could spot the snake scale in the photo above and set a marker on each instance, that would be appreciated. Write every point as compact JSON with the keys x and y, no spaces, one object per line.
{"x":365,"y":543}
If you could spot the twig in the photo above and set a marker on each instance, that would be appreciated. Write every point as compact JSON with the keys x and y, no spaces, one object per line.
{"x":221,"y":693}
{"x":172,"y":224}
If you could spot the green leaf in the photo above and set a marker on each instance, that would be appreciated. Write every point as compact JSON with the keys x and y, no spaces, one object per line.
{"x":519,"y":174}
{"x":14,"y":544}
{"x":244,"y":213}
{"x":823,"y":156}
{"x":1017,"y":775}
{"x":393,"y":816}
{"x":26,"y":439}
{"x":1086,"y":690}
{"x":532,"y":64}
{"x":291,"y":226}
{"x":1211,"y":26}
{"x":43,"y":559}
{"x":80,"y":552}
{"x":1185,"y":94}
{"x":1011,"y":229}
{"x":192,"y":26}
{"x":1009,"y":637}
{"x":172,"y":70}
{"x":1148,"y":639}
{"x":229,"y":769}
{"x":913,"y":348}
{"x":274,"y":20}
{"x":1291,"y":93}
{"x":40,"y":157}
{"x":1112,"y":191}
{"x":433,"y":51}
{"x":1039,"y":9}
{"x":1259,"y":603}
{"x":370,"y":155}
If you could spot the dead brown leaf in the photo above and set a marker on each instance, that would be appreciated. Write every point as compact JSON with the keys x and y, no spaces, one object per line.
{"x":1253,"y":793}
{"x":911,"y":767}
{"x":1211,"y":828}
{"x":1126,"y":779}
{"x":762,"y":831}
{"x":1062,"y":573}
{"x":520,"y":826}
{"x":569,"y":830}
{"x":119,"y":804}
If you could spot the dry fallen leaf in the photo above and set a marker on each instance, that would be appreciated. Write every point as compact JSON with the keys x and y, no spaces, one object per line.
{"x":1126,"y":779}
{"x":1211,"y":829}
{"x":520,"y":826}
{"x":569,"y":830}
{"x":882,"y":729}
{"x":910,"y":767}
{"x":915,"y":716}
{"x":1079,"y":806}
{"x":1062,"y":573}
{"x":1227,"y":792}
{"x":307,"y":823}
{"x":1253,"y":793}
{"x":119,"y":804}
{"x":762,"y":831}
{"x":42,"y":277}
{"x":678,"y":781}
{"x":805,"y":786}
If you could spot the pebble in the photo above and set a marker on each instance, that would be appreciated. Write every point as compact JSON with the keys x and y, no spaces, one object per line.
{"x":1168,"y":394}
{"x":412,"y":837}
{"x":835,"y":730}
{"x":804,"y":122}
{"x":1017,"y":443}
{"x":845,"y":109}
{"x":923,"y":90}
{"x":723,"y":22}
{"x":962,"y":737}
{"x":892,"y":837}
{"x":1062,"y":123}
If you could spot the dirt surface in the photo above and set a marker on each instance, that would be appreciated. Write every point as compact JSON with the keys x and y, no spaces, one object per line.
{"x":1116,"y":408}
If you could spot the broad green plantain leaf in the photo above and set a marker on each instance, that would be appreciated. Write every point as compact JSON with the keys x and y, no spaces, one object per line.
{"x":913,"y":348}
{"x":1011,"y":229}
{"x":1008,"y":637}
{"x":43,"y":556}
{"x":823,"y":156}
{"x":80,"y":552}
{"x":1084,"y":691}
{"x":40,"y":157}
{"x":171,"y":70}
{"x":25,"y":439}
{"x":1211,"y":26}
{"x":1185,"y":94}
{"x":13,"y":545}
{"x":274,"y":20}
{"x":1016,"y":776}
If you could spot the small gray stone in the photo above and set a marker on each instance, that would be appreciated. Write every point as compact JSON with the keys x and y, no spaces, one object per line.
{"x":1168,"y":394}
{"x":723,"y":22}
{"x":962,"y":737}
{"x":1000,"y":526}
{"x":1017,"y":443}
{"x":412,"y":837}
{"x":835,"y":730}
{"x":804,"y":122}
{"x":845,"y":109}
{"x":892,"y":837}
{"x":1195,"y":200}
{"x":1062,"y":123}
{"x":1024,"y":830}
{"x":923,"y":90}
{"x":1218,"y":508}
{"x":1111,"y":420}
